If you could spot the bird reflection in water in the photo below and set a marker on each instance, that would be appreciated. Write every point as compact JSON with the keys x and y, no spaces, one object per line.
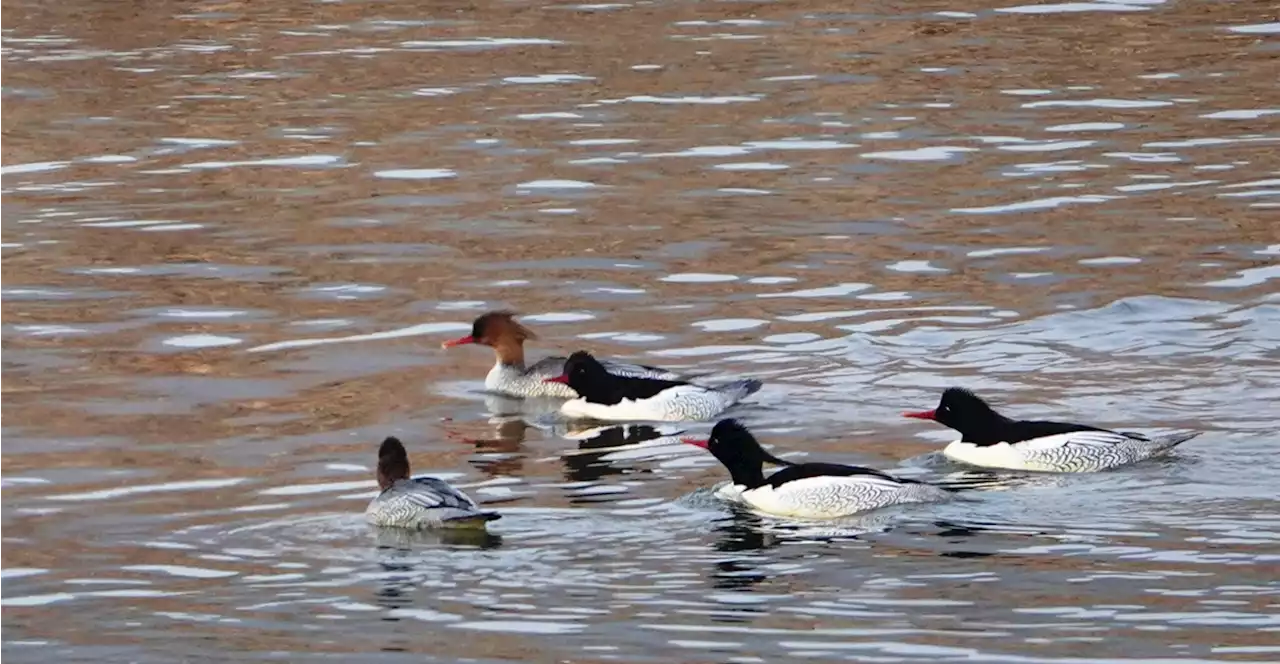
{"x":592,"y":460}
{"x":406,"y":558}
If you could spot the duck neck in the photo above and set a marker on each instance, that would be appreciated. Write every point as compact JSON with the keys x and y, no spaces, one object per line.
{"x":510,"y":352}
{"x":748,"y":473}
{"x":995,"y":430}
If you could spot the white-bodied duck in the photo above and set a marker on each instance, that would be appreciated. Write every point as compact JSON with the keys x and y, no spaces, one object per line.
{"x":992,"y":440}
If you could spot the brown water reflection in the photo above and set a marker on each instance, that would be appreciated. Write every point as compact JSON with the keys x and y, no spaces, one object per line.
{"x":235,"y":233}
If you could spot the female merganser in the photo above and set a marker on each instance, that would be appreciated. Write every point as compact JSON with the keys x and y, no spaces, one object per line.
{"x":806,"y":490}
{"x":500,"y":331}
{"x":419,"y":502}
{"x":610,"y":397}
{"x":990,"y":439}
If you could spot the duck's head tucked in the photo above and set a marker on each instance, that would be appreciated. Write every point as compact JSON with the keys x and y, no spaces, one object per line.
{"x":393,"y":463}
{"x":585,"y":374}
{"x":499,"y":331}
{"x":732,"y":445}
{"x":961,"y":410}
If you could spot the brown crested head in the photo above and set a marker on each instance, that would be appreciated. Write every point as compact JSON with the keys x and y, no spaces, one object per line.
{"x":497,"y":326}
{"x":499,"y":331}
{"x":393,"y":463}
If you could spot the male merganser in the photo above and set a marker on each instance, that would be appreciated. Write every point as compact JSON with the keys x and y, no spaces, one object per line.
{"x":990,"y":439}
{"x":609,"y":397}
{"x":419,"y":502}
{"x":806,"y":490}
{"x":500,"y":331}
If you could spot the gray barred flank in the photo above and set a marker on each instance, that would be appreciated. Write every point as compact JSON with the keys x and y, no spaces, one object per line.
{"x":1093,"y":457}
{"x":845,"y":498}
{"x":423,"y":502}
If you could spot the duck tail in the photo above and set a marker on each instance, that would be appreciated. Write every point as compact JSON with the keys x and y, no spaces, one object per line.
{"x":972,"y":481}
{"x":477,"y":520}
{"x":741,"y":389}
{"x":1166,"y":443}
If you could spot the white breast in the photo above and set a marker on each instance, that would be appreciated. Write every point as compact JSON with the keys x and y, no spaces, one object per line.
{"x":506,"y":379}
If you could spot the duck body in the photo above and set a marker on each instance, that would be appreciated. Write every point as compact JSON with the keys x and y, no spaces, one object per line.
{"x":827,"y":491}
{"x":1076,"y":452}
{"x":612,"y":398}
{"x":419,"y":502}
{"x":517,"y":380}
{"x":805,"y":490}
{"x":510,"y":376}
{"x":991,"y":440}
{"x":425,"y":502}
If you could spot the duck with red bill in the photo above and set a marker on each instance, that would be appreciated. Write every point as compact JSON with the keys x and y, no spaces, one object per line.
{"x":510,"y":375}
{"x":922,"y":414}
{"x":804,"y":490}
{"x":992,"y":440}
{"x":608,"y":397}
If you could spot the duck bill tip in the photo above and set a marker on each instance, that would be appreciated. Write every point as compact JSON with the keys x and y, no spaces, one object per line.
{"x":563,"y":380}
{"x":696,"y":442}
{"x":922,"y":415}
{"x":460,"y":341}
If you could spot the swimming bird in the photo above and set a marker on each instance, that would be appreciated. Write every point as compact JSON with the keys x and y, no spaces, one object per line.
{"x":419,"y":502}
{"x":806,"y":490}
{"x":509,"y":375}
{"x":990,"y":439}
{"x":610,"y":397}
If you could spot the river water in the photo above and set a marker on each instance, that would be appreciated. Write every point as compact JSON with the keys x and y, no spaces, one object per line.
{"x":235,"y":234}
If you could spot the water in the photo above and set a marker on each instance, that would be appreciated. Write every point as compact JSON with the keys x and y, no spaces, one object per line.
{"x":235,"y":234}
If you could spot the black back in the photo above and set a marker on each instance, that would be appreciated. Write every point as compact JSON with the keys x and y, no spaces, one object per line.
{"x":801,"y":471}
{"x":594,"y":383}
{"x":742,"y":454}
{"x":980,"y":424}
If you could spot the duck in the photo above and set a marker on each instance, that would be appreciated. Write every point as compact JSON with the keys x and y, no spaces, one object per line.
{"x":500,"y":331}
{"x":992,"y":440}
{"x":608,"y":397}
{"x":805,"y":490}
{"x":418,"y":502}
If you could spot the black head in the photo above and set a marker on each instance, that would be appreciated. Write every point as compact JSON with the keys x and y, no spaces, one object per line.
{"x":393,"y":462}
{"x":739,"y":451}
{"x":585,"y":374}
{"x":961,"y":410}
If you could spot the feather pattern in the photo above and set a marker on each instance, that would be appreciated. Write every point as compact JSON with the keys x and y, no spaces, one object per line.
{"x":530,"y":382}
{"x":990,"y":439}
{"x":831,"y":496}
{"x":675,"y":402}
{"x":805,"y":490}
{"x":1074,"y":452}
{"x":424,"y":502}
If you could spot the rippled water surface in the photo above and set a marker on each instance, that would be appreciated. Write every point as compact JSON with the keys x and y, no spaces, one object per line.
{"x":235,"y":234}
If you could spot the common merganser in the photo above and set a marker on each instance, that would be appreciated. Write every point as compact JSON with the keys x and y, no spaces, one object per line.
{"x":609,"y":397}
{"x":990,"y":439}
{"x":806,"y":490}
{"x":419,"y":502}
{"x":509,"y":375}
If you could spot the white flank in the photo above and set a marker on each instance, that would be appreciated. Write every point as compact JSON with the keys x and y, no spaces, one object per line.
{"x":1078,"y":451}
{"x":730,"y":492}
{"x":830,"y":496}
{"x":674,"y":404}
{"x":1000,"y":455}
{"x":625,"y":410}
